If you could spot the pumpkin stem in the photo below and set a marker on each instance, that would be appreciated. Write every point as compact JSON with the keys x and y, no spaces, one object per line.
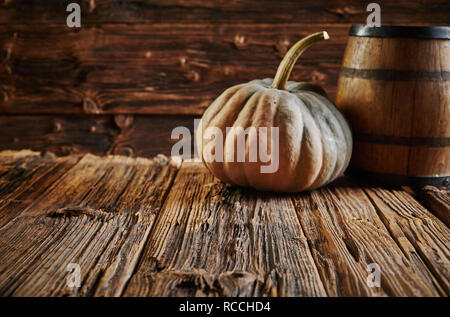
{"x":287,"y":64}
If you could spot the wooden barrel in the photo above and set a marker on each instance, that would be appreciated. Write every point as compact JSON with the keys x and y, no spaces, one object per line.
{"x":394,"y":89}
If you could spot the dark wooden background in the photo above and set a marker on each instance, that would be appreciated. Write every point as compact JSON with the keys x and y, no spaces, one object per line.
{"x":137,"y":69}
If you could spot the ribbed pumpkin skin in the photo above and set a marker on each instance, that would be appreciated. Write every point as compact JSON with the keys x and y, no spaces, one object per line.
{"x":315,"y":142}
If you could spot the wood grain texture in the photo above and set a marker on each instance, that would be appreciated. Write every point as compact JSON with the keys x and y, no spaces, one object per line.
{"x":412,"y":225}
{"x":214,"y":240}
{"x":227,"y":12}
{"x":100,"y":220}
{"x":397,"y":104}
{"x":145,"y":227}
{"x":150,"y":69}
{"x":168,"y":57}
{"x":346,"y":235}
{"x":27,"y":178}
{"x":145,"y":136}
{"x":437,"y":200}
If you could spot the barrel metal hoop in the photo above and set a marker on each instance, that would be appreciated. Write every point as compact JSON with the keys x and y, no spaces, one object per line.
{"x":394,"y":31}
{"x":392,"y":74}
{"x":401,"y":140}
{"x":387,"y":179}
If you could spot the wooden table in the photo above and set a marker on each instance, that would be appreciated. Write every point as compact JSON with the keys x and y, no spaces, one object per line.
{"x":162,"y":227}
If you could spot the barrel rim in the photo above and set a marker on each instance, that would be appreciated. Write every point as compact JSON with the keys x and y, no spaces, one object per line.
{"x":389,"y":179}
{"x":397,"y":31}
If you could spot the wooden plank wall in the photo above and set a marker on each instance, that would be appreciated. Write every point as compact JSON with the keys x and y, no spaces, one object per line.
{"x":137,"y":69}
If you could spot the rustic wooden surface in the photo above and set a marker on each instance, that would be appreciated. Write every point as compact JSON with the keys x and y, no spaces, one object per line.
{"x":163,"y":227}
{"x":437,"y":200}
{"x":160,"y":58}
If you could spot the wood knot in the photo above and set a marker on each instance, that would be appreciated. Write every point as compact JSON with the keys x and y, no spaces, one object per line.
{"x":344,"y":12}
{"x":183,"y":61}
{"x":161,"y":159}
{"x":318,"y":76}
{"x":5,"y":54}
{"x":227,"y":70}
{"x":124,"y":150}
{"x":282,"y":46}
{"x":69,"y":149}
{"x":90,"y":106}
{"x":240,"y":42}
{"x":221,"y":30}
{"x":123,"y":121}
{"x":57,"y":126}
{"x":91,"y":5}
{"x":192,"y":76}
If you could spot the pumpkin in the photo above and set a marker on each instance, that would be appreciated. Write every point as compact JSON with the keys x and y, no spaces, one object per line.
{"x":302,"y":140}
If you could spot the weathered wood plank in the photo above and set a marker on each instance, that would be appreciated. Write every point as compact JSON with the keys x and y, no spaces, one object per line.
{"x":14,"y":165}
{"x":150,"y":69}
{"x":144,"y":136}
{"x":98,"y":215}
{"x":437,"y":200}
{"x":27,"y":178}
{"x":214,"y":240}
{"x":172,"y":57}
{"x":415,"y":228}
{"x":218,"y":12}
{"x":346,"y":235}
{"x":9,"y":160}
{"x":8,"y":157}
